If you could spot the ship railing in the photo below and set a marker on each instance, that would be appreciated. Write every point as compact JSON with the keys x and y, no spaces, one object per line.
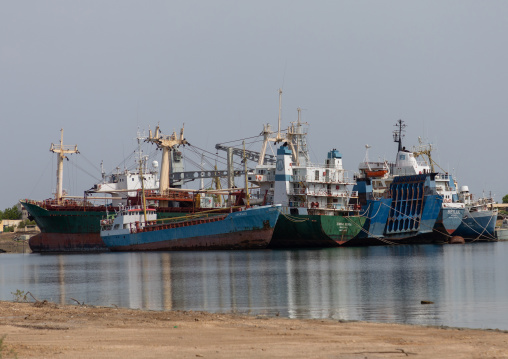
{"x":301,"y":204}
{"x":443,"y":176}
{"x":324,"y":193}
{"x":310,"y":178}
{"x":373,"y":166}
{"x":205,"y":214}
{"x":328,"y":194}
{"x":337,"y":207}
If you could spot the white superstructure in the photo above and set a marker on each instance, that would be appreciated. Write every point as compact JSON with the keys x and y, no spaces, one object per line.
{"x":127,"y":220}
{"x":301,"y":186}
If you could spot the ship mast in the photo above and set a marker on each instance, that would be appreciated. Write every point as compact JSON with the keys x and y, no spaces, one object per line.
{"x":141,"y":176}
{"x":247,"y":196}
{"x":143,"y":197}
{"x":167,"y":144}
{"x":295,"y":136}
{"x":398,"y":134}
{"x":280,"y":111}
{"x":267,"y":132}
{"x":427,"y":151}
{"x":61,"y":152}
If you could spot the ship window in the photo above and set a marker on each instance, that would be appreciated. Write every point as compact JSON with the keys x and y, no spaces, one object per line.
{"x":133,"y":178}
{"x":116,"y":226}
{"x":316,"y":176}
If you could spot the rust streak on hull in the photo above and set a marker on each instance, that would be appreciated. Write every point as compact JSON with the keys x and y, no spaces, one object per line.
{"x":257,"y":239}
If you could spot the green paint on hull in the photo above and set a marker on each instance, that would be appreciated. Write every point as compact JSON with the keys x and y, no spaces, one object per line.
{"x":76,"y":221}
{"x":315,"y":231}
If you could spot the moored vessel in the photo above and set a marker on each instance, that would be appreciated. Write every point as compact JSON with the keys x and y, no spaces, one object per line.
{"x":250,"y":228}
{"x":406,"y":202}
{"x":314,"y":197}
{"x":72,"y":224}
{"x":479,"y":220}
{"x":502,"y":231}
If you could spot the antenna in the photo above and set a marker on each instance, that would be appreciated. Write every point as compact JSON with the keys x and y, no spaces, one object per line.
{"x":280,"y":110}
{"x":398,"y":134}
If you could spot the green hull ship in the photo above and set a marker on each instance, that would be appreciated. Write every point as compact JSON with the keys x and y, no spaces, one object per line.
{"x":307,"y":231}
{"x":318,"y":207}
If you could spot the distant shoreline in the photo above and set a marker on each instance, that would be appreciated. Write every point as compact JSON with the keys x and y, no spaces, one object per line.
{"x":9,"y":244}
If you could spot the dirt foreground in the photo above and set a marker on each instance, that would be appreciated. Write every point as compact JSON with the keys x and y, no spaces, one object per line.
{"x":47,"y":330}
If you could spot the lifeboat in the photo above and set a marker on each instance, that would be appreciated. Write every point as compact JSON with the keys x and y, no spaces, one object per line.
{"x":378,"y":173}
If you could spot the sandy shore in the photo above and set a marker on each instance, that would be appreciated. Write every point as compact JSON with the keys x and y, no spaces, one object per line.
{"x":47,"y":330}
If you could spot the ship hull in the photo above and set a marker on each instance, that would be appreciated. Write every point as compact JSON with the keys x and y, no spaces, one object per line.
{"x":66,"y":230}
{"x":408,"y":217}
{"x":478,"y":225}
{"x":67,"y":243}
{"x":72,"y":229}
{"x":308,"y":231}
{"x":447,"y":223}
{"x":250,"y":229}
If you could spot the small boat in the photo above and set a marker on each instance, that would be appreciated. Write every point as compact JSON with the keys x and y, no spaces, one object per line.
{"x":379,"y":173}
{"x":137,"y":229}
{"x":479,"y":219}
{"x":502,"y":232}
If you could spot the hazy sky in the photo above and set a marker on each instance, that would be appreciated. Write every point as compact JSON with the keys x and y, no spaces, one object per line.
{"x":101,"y":69}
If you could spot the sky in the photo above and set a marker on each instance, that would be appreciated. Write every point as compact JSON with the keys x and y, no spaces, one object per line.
{"x":104,"y":69}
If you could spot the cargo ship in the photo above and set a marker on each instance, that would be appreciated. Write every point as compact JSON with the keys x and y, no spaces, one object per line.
{"x":405,"y":201}
{"x":316,"y":200}
{"x":133,"y":229}
{"x":73,"y":224}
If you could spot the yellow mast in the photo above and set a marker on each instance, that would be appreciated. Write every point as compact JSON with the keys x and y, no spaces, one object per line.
{"x":167,"y":144}
{"x":143,"y":198}
{"x":247,"y":197}
{"x":427,"y":151}
{"x":61,"y":150}
{"x":218,"y":187}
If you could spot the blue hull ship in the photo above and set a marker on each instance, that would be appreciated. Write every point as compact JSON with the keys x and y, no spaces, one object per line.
{"x":480,"y":217}
{"x":478,"y":226}
{"x":248,"y":229}
{"x":409,"y":215}
{"x":405,"y":201}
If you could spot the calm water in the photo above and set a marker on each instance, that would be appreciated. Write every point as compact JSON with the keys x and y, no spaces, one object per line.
{"x":467,"y":283}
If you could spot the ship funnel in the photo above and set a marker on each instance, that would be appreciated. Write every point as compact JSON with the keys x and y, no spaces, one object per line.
{"x":464,"y":189}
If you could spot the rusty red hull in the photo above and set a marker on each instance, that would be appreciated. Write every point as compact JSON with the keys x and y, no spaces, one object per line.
{"x":67,"y":243}
{"x":248,"y":240}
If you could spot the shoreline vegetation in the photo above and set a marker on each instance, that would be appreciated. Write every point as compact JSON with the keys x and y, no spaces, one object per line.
{"x":44,"y":329}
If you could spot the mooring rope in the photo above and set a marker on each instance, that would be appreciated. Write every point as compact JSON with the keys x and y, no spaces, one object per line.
{"x":370,"y":234}
{"x":484,"y":228}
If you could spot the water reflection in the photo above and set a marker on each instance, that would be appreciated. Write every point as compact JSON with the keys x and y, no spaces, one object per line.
{"x":385,"y":284}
